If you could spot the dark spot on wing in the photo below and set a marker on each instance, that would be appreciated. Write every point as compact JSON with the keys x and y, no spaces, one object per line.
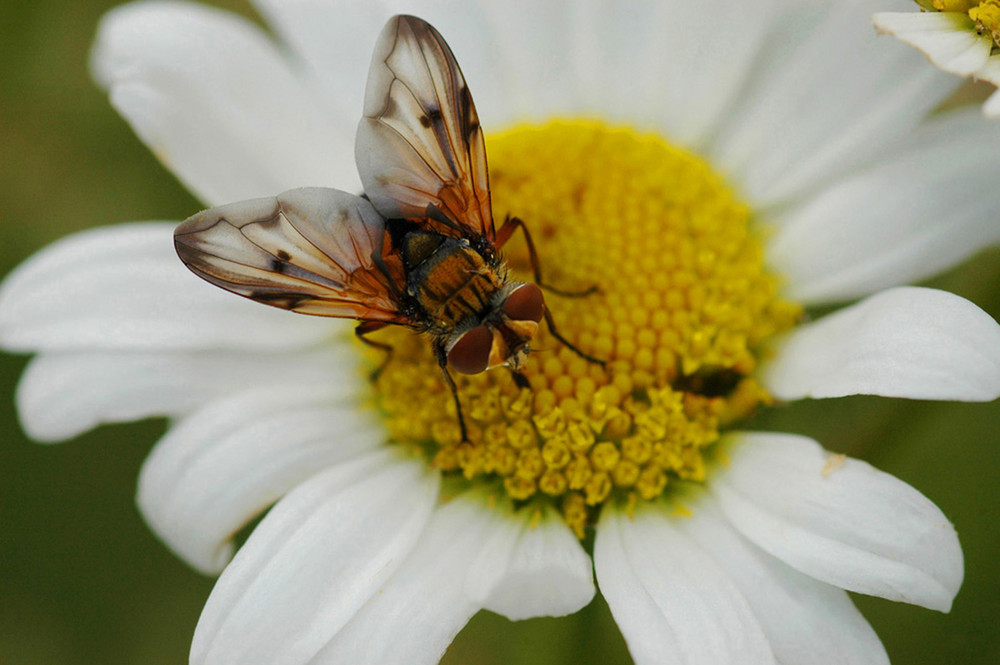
{"x":435,"y":120}
{"x":278,"y":266}
{"x":469,"y":115}
{"x":283,"y":300}
{"x":284,"y":256}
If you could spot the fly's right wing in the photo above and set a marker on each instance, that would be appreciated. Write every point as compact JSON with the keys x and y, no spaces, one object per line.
{"x":419,"y":148}
{"x":310,"y":250}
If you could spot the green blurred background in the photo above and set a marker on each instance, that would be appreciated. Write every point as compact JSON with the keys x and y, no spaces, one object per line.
{"x":83,"y":581}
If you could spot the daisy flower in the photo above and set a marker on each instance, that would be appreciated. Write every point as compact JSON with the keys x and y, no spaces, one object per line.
{"x":720,"y":170}
{"x":959,"y":36}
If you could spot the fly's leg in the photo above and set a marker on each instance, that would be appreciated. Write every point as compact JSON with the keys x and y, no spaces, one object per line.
{"x":520,"y":380}
{"x":510,"y":225}
{"x":442,"y":359}
{"x":555,"y":333}
{"x":363,"y":329}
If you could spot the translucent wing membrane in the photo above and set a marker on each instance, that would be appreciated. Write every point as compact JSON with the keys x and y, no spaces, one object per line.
{"x":309,"y":250}
{"x":420,"y":150}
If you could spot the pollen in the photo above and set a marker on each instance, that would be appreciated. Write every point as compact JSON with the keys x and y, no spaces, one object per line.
{"x":985,"y":14}
{"x":954,"y":5}
{"x":682,"y":308}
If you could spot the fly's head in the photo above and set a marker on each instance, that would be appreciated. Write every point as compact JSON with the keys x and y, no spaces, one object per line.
{"x":504,"y":337}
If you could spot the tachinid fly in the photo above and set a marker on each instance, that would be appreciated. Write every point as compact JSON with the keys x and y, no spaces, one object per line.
{"x":419,"y":249}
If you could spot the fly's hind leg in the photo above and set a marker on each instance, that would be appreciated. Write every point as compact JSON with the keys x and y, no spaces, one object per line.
{"x":504,"y":233}
{"x":363,"y":329}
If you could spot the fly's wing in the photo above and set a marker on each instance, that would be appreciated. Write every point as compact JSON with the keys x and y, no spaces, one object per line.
{"x":309,"y":250}
{"x":419,"y":148}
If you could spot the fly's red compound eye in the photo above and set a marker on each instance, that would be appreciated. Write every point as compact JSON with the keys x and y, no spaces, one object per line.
{"x":471,"y":353}
{"x":525,"y":304}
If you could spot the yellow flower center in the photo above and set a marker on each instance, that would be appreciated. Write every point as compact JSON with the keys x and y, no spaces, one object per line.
{"x":987,"y":18}
{"x":683,"y":306}
{"x":954,"y":5}
{"x":984,"y":13}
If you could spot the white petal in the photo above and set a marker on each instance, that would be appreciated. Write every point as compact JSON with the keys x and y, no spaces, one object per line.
{"x":806,"y":621}
{"x":917,"y":212}
{"x":839,"y":520}
{"x":905,"y":342}
{"x":533,"y":52}
{"x":414,"y":616}
{"x":335,"y":42}
{"x":123,"y":287}
{"x":828,"y":96}
{"x":990,"y":71}
{"x":675,"y":67}
{"x":672,"y":603}
{"x":531,"y":569}
{"x":61,"y":395}
{"x":213,"y":98}
{"x":321,"y":554}
{"x":217,"y":469}
{"x":991,"y":109}
{"x":948,"y":39}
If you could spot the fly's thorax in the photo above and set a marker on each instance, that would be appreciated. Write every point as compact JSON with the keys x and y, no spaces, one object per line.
{"x":418,"y":248}
{"x":452,"y":282}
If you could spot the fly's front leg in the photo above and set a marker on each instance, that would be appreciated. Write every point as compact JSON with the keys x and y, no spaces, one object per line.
{"x":363,"y":329}
{"x":442,"y":359}
{"x":510,"y":225}
{"x":520,"y":380}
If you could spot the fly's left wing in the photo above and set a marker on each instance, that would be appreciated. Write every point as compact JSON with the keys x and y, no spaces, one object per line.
{"x":311,"y":250}
{"x":419,"y":149}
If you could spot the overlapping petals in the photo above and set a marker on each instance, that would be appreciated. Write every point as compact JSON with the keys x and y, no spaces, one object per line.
{"x":123,"y":288}
{"x":951,"y":41}
{"x":902,"y":220}
{"x":532,"y":568}
{"x":758,"y":560}
{"x":672,"y":603}
{"x":904,"y":342}
{"x":217,"y":102}
{"x":218,"y":468}
{"x":356,"y":565}
{"x":437,"y":589}
{"x":805,"y":620}
{"x":839,"y":520}
{"x":141,"y":384}
{"x":320,"y":555}
{"x":829,"y":97}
